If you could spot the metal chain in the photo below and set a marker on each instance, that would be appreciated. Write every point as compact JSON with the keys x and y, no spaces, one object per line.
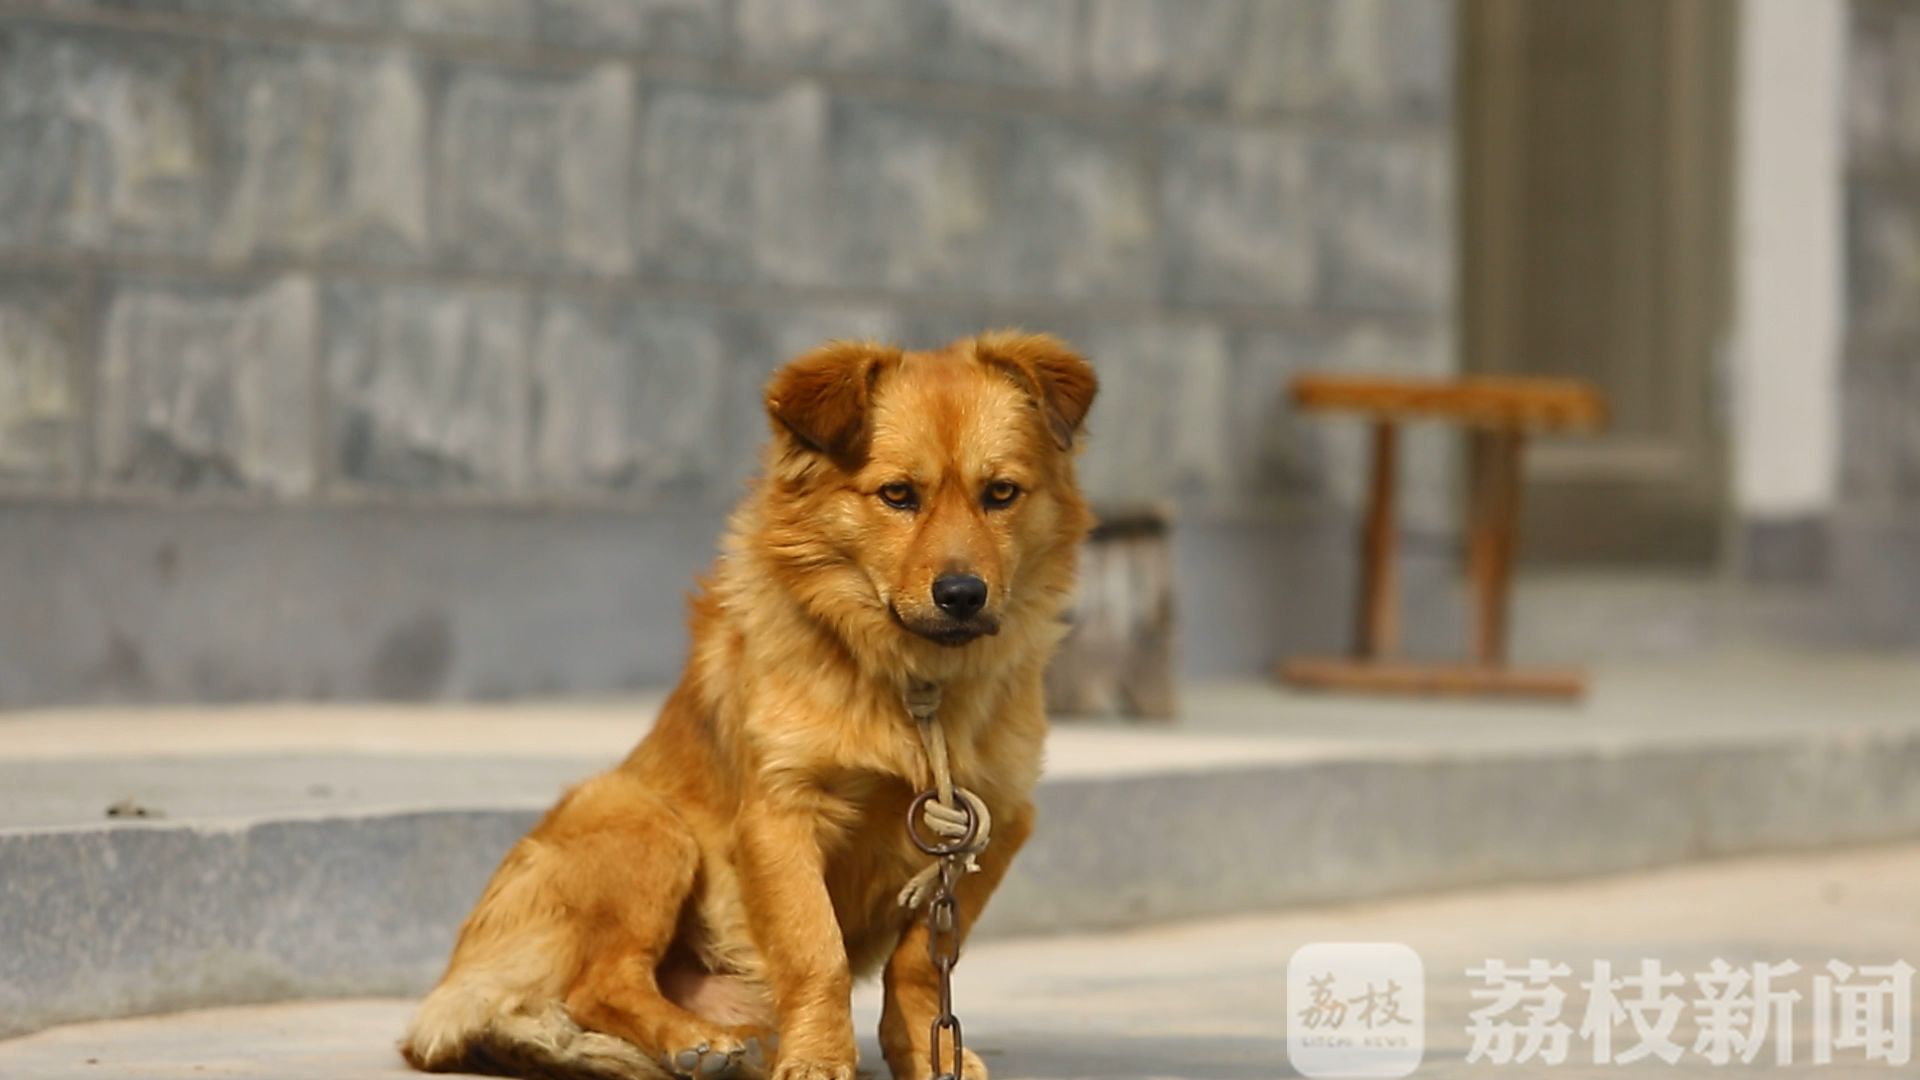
{"x":961,"y":824}
{"x":943,"y":925}
{"x":943,"y":947}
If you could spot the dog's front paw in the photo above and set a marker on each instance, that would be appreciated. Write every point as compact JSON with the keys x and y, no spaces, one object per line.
{"x":971,"y":1067}
{"x":802,"y":1069}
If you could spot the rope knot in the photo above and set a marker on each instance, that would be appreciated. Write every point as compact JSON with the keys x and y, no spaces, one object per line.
{"x":923,"y":700}
{"x":957,"y":816}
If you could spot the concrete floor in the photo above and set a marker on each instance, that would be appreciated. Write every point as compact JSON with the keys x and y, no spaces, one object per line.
{"x":1208,"y":1001}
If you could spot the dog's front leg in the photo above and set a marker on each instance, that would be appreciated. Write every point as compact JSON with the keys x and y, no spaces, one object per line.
{"x":912,"y":982}
{"x":793,"y":924}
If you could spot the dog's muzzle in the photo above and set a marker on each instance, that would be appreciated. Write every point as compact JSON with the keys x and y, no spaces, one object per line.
{"x":946,"y":630}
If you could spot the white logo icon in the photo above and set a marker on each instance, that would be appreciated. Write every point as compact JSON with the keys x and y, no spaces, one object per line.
{"x":1356,"y":1009}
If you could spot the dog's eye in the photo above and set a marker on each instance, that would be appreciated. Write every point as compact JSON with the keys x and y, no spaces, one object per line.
{"x":1000,"y":493}
{"x":900,"y":496}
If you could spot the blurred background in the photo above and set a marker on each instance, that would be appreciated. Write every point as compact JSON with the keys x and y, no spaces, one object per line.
{"x":363,"y":352}
{"x":412,"y":349}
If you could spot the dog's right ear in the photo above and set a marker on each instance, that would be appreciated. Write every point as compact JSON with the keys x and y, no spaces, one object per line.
{"x":824,"y":397}
{"x":1060,"y":380}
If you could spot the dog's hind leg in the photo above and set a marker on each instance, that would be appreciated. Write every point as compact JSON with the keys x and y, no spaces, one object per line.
{"x":613,"y":997}
{"x":630,"y":879}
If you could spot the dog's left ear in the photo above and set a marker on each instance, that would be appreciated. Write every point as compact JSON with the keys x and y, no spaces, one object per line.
{"x":823,"y":398}
{"x":1058,"y":378}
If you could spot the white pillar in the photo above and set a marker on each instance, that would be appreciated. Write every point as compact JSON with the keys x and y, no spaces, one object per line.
{"x":1788,"y":265}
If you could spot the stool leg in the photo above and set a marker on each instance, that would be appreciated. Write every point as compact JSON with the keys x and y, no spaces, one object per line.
{"x":1378,"y":624}
{"x":1496,"y":512}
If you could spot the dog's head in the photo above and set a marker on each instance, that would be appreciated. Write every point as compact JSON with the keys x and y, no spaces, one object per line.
{"x":939,"y":484}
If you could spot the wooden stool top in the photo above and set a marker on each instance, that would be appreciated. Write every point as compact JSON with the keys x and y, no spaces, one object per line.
{"x":1478,"y":400}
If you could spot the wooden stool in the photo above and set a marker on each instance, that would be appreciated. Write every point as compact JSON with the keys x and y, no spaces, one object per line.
{"x":1499,"y":412}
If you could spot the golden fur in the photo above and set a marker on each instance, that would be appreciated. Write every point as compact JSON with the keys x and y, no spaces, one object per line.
{"x":739,"y":869}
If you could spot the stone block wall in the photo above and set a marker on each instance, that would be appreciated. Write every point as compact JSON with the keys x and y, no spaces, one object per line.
{"x":307,"y":256}
{"x":1874,"y":598}
{"x":1880,"y":430}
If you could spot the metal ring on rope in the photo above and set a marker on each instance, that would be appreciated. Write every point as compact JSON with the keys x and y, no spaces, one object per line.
{"x":968,"y":803}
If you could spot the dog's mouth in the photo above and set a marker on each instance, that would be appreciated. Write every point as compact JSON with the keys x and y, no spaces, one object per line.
{"x":946,"y":630}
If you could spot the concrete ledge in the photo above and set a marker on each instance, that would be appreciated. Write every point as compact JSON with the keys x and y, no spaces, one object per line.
{"x":137,"y":918}
{"x":1259,"y":800}
{"x":1123,"y":851}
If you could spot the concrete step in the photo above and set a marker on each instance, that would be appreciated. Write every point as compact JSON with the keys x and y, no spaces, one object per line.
{"x":1209,"y":1000}
{"x":331,"y":851}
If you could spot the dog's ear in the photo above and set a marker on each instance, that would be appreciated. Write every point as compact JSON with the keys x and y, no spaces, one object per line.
{"x":1057,"y":377}
{"x":823,"y":398}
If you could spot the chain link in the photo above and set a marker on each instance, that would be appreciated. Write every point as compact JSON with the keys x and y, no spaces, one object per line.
{"x":943,"y":948}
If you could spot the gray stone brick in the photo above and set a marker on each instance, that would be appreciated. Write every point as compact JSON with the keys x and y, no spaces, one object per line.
{"x":761,"y":340}
{"x":1871,"y":74}
{"x":933,"y":329}
{"x":324,"y":154}
{"x":1279,"y":454}
{"x":1383,"y":223}
{"x":1416,"y":51}
{"x":914,"y":195}
{"x":41,"y":351}
{"x":733,"y":185}
{"x":1004,"y":42}
{"x":1236,"y":207}
{"x":337,"y":13}
{"x":627,"y":397}
{"x":766,"y":338}
{"x":1345,"y":57}
{"x":1075,"y":215}
{"x":1880,"y":432}
{"x":1027,"y":43}
{"x":105,"y":140}
{"x":1883,"y":255}
{"x":1174,"y":50}
{"x":428,"y":387}
{"x":530,"y":170}
{"x":686,"y":27}
{"x":1283,"y":454}
{"x":205,"y":387}
{"x":511,"y":20}
{"x":1157,"y":430}
{"x":681,"y":27}
{"x":838,"y":35}
{"x":1883,"y":83}
{"x":504,"y":19}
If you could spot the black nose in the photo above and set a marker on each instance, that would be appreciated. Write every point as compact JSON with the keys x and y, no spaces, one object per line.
{"x":959,"y":595}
